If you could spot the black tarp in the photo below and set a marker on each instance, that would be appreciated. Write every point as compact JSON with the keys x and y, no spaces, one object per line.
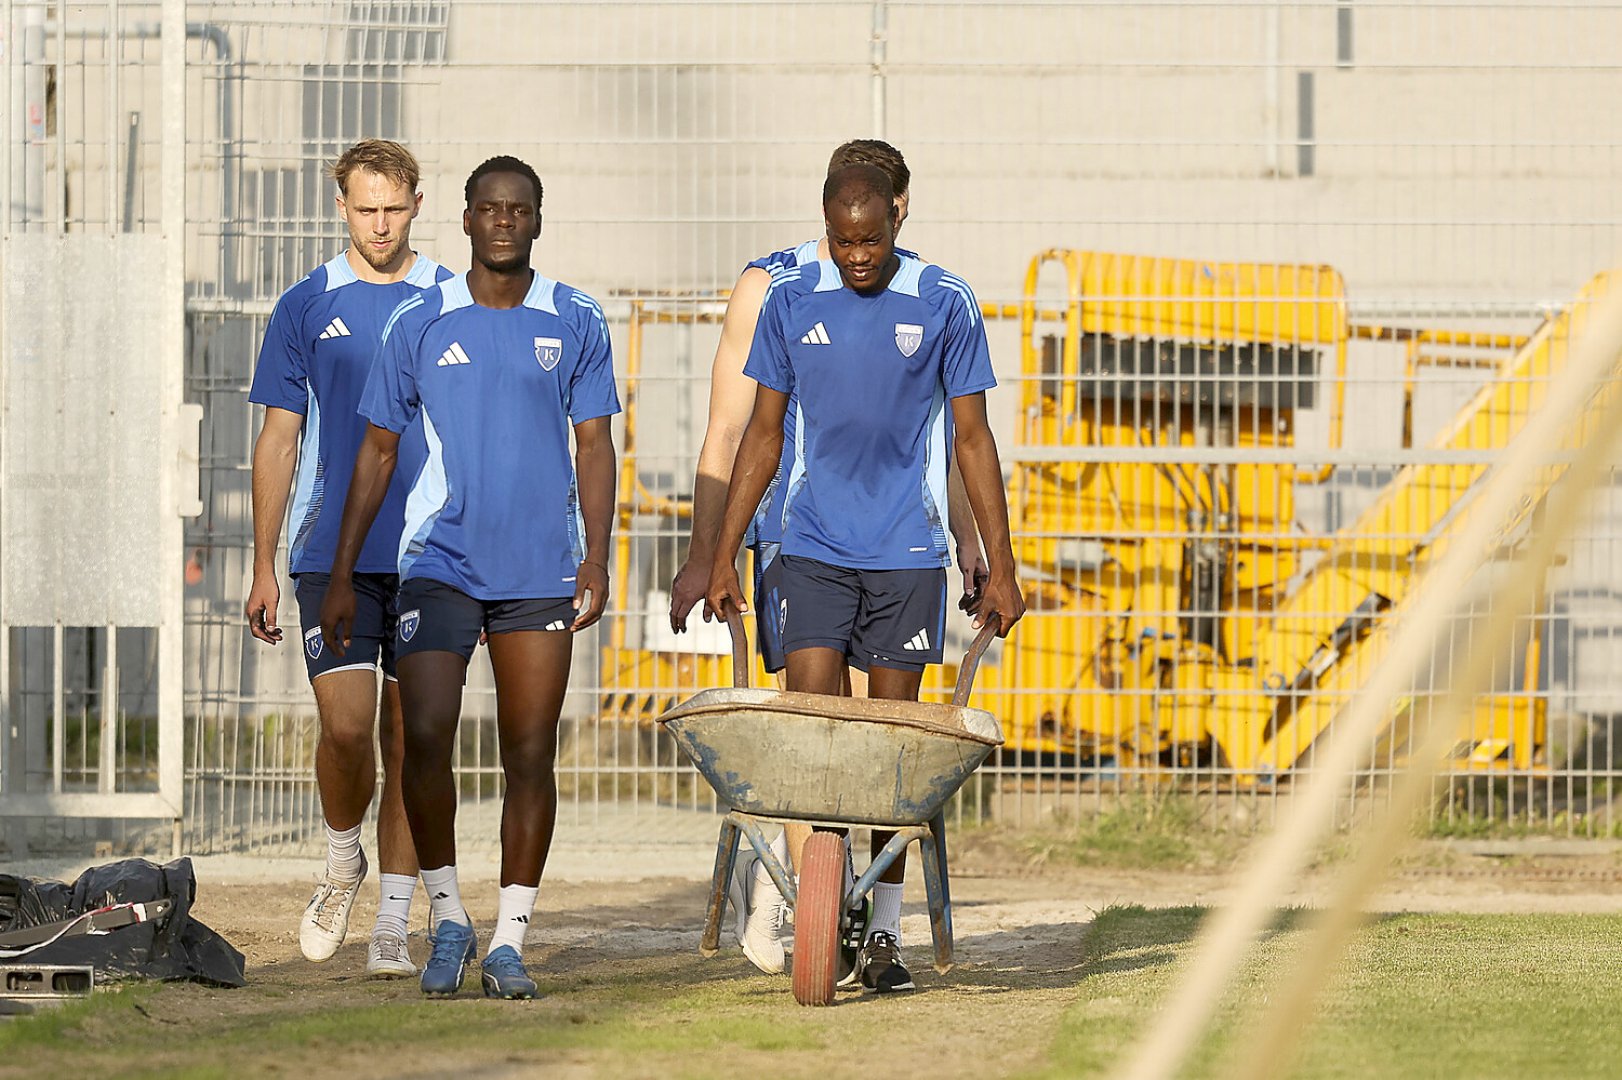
{"x":177,"y":947}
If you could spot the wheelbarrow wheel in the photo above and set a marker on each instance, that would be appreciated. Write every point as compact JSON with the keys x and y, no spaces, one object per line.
{"x":816,"y":918}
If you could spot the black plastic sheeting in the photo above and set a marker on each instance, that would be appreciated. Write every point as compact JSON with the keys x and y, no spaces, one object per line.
{"x":176,"y":948}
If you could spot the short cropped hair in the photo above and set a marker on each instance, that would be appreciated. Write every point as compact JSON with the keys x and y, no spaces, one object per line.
{"x":382,"y":156}
{"x":854,"y":185}
{"x":878,"y":153}
{"x":503,"y":163}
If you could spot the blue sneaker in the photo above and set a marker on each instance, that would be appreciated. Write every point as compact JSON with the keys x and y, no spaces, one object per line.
{"x":453,"y":946}
{"x":504,"y":975}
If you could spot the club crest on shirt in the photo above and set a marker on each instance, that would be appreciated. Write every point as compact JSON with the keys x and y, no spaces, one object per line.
{"x":548,"y":350}
{"x":908,"y":336}
{"x":409,"y":621}
{"x":313,"y":643}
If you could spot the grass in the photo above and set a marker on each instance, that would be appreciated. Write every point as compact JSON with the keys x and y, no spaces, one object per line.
{"x":1417,"y":995}
{"x":1140,"y":832}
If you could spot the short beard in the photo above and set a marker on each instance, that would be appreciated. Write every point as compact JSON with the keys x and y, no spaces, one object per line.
{"x":375,"y":259}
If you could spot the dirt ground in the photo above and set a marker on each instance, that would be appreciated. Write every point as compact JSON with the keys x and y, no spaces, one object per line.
{"x":632,"y":945}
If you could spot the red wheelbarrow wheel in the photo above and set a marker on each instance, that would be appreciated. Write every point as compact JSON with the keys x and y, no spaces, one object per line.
{"x":816,"y":918}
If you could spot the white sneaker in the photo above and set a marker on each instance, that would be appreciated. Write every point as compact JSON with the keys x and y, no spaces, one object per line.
{"x":763,"y":931}
{"x":326,"y":917}
{"x":758,"y":927}
{"x":388,"y":958}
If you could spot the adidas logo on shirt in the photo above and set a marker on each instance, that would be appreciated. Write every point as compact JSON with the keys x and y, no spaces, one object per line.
{"x":335,"y":328}
{"x":453,"y":355}
{"x":919,"y":642}
{"x":817,"y":335}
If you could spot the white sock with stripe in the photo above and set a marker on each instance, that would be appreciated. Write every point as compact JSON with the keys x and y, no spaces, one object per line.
{"x":886,"y":911}
{"x":512,"y":917}
{"x":444,"y":897}
{"x":393,"y":903}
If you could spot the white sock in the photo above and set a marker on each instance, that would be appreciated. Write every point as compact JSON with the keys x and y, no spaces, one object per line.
{"x":763,"y":877}
{"x":444,"y":898}
{"x":343,"y":854}
{"x":886,"y":911}
{"x":512,"y":916}
{"x":393,"y":903}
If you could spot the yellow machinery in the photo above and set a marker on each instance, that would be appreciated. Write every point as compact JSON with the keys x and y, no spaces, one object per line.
{"x":1177,"y":613}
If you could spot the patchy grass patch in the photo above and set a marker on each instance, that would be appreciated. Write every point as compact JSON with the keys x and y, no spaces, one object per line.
{"x":1140,"y":832}
{"x":1436,"y":996}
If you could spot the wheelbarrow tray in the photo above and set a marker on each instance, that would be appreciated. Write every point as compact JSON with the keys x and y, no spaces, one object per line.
{"x":811,"y":756}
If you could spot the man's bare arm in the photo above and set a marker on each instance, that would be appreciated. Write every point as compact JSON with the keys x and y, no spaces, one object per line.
{"x":982,"y":478}
{"x":374,"y":468}
{"x":274,"y":454}
{"x":971,"y":561}
{"x":596,"y":476}
{"x":756,"y":463}
{"x":732,"y":398}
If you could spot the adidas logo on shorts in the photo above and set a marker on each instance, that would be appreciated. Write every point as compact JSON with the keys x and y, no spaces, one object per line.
{"x":557,"y":624}
{"x":919,"y":642}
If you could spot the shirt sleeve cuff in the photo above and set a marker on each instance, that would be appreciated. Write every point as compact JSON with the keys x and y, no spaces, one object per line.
{"x":594,"y":412}
{"x":387,"y":423}
{"x":979,"y":387}
{"x":300,"y":406}
{"x":768,"y":380}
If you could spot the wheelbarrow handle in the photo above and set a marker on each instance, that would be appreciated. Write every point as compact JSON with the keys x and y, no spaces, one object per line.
{"x":740,"y":649}
{"x":971,"y":659}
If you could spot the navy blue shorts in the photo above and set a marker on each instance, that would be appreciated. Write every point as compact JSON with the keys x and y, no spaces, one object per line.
{"x":769,"y":606}
{"x":371,"y":639}
{"x":884,"y":618}
{"x":436,"y":617}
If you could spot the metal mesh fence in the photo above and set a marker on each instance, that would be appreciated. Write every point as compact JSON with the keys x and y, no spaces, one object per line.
{"x":1268,"y":286}
{"x":87,"y":640}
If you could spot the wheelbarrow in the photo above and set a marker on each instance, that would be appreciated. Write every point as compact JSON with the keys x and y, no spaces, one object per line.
{"x":832,"y":762}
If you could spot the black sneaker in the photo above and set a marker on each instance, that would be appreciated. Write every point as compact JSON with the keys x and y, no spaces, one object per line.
{"x":850,"y":944}
{"x":882,"y":969}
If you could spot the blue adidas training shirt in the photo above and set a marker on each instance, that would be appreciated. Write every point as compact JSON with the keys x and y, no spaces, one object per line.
{"x":317,"y":353}
{"x":493,"y":507}
{"x":871,"y":376}
{"x":767,"y":525}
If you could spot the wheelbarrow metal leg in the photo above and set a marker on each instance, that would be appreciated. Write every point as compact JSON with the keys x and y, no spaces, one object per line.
{"x":726,"y":853}
{"x":763,"y":848}
{"x":887,"y":855}
{"x":940,"y":893}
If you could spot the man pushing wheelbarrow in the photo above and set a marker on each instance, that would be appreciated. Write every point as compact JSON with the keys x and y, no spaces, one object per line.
{"x":882,"y":357}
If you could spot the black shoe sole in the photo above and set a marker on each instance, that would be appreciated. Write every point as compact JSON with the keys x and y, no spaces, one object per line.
{"x":520,"y":996}
{"x":878,"y":985}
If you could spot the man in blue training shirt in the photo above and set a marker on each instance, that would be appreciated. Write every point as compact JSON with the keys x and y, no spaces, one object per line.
{"x":757,"y":905}
{"x":875,"y":346}
{"x":313,"y":364}
{"x":502,"y":537}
